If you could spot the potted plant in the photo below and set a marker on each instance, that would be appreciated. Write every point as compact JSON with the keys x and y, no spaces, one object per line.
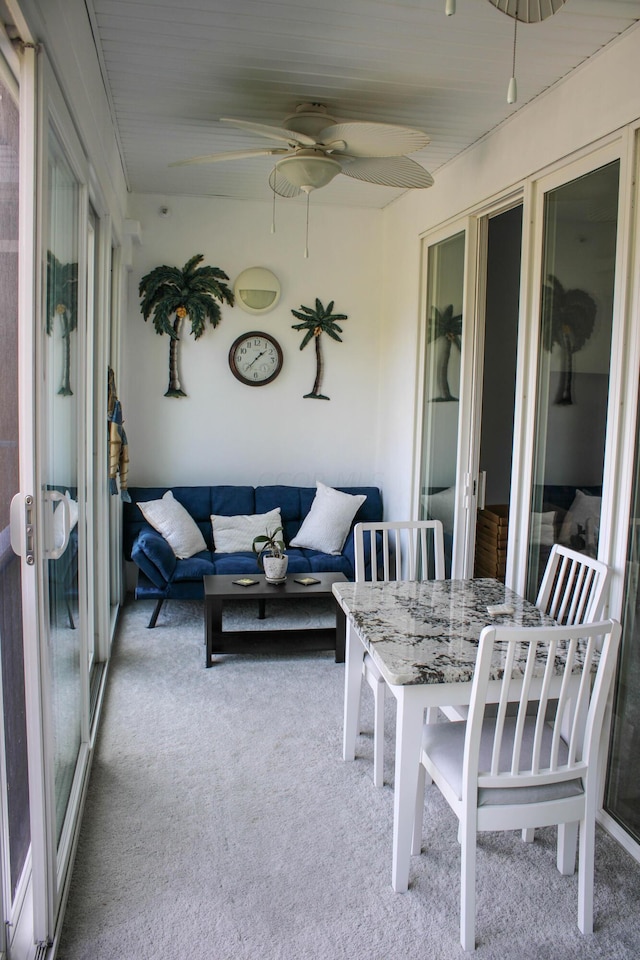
{"x":272,"y":559}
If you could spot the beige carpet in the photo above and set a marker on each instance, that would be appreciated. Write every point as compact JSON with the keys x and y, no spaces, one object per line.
{"x":222,"y":824}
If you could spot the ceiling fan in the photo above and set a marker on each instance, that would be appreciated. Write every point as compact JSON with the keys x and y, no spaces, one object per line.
{"x":318,"y":148}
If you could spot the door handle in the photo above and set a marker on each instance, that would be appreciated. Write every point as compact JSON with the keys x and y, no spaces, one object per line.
{"x":55,"y":551}
{"x":482,"y":489}
{"x":21,"y":531}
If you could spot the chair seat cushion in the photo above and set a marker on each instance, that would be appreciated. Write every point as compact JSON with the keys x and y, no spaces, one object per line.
{"x":444,"y":745}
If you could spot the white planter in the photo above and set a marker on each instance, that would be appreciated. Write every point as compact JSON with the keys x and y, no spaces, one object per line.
{"x":275,"y":568}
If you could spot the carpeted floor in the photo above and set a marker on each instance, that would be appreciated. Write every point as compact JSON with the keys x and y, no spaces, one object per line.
{"x":222,"y":824}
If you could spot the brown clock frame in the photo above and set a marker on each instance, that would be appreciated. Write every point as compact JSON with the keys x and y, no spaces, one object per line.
{"x":232,"y":362}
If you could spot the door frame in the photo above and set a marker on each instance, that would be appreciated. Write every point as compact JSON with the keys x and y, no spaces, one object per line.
{"x":475,"y":229}
{"x":530,"y":305}
{"x":473,"y":418}
{"x":465,"y":226}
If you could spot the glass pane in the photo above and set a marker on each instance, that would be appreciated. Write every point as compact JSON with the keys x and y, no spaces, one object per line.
{"x":13,"y":696}
{"x":445,"y":288}
{"x":622,"y":796}
{"x":504,"y":247}
{"x":580,"y":224}
{"x":61,"y":493}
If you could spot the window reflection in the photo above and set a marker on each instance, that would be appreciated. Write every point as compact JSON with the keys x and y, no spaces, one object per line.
{"x":580,"y":224}
{"x":445,"y":288}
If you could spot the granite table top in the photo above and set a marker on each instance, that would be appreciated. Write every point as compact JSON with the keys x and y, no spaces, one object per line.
{"x":422,"y":632}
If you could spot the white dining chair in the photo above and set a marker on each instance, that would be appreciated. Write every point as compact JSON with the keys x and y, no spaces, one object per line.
{"x":505,"y":772}
{"x":574,"y":589}
{"x":394,"y":550}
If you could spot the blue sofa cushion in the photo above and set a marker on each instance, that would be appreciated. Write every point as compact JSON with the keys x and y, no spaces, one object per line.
{"x":194,"y":568}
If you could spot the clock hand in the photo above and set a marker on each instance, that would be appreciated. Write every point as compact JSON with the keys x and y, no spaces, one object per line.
{"x":256,"y":358}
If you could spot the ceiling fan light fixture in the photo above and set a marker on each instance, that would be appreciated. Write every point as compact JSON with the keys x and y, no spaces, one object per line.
{"x":309,"y":172}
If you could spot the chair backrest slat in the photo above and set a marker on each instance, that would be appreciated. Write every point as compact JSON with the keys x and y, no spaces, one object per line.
{"x":522,"y":708}
{"x":552,"y":666}
{"x":404,"y":550}
{"x":574,"y":587}
{"x":541,"y":718}
{"x":502,"y":709}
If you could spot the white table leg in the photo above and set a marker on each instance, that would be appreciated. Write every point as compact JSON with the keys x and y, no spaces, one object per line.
{"x":409,"y":723}
{"x":354,"y":655}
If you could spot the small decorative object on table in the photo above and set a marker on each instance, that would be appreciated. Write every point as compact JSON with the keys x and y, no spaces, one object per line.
{"x":271,"y":556}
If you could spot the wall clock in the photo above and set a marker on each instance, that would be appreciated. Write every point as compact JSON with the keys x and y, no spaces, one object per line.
{"x":255,"y":358}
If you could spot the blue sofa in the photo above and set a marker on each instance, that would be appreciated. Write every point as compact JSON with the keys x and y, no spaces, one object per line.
{"x":162,"y":576}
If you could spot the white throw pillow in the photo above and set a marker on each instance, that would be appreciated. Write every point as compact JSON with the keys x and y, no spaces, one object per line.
{"x":236,"y":534}
{"x":328,"y":522}
{"x":543,"y":529}
{"x":176,"y":525}
{"x":582,"y":521}
{"x":441,"y":506}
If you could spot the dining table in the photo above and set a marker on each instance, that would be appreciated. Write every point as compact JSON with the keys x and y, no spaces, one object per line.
{"x":423,"y":636}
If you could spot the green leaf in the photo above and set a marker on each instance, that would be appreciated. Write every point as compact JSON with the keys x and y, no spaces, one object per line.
{"x":197,"y":289}
{"x":308,"y":336}
{"x":333,"y":334}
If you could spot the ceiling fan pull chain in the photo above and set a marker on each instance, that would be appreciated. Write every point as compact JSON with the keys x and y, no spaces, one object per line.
{"x":512,"y":92}
{"x":306,"y":243}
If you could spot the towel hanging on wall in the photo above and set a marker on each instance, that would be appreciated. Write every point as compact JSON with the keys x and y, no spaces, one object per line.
{"x":117,"y":438}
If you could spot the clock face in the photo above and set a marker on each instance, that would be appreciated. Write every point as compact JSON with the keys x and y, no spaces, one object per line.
{"x":255,"y":358}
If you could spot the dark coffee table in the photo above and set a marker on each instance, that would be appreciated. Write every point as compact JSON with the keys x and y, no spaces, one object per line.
{"x":218,"y":589}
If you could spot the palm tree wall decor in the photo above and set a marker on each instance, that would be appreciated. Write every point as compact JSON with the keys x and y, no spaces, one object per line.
{"x":315,"y":323}
{"x":444,"y":331}
{"x":194,"y":292}
{"x":568,"y":318}
{"x":62,"y":302}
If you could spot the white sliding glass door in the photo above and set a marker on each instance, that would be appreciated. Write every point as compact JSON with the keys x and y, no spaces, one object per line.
{"x":62,"y":481}
{"x":59,"y":712}
{"x":580,"y":220}
{"x":444,"y":323}
{"x":15,"y":831}
{"x":472,"y":289}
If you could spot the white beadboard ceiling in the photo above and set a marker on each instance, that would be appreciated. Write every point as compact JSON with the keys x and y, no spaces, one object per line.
{"x":172,"y":68}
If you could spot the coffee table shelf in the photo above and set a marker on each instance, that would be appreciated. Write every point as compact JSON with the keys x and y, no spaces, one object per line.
{"x":219,"y":589}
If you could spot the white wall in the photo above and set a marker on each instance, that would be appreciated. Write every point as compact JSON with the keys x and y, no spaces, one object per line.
{"x":597,"y":99}
{"x":224,"y":431}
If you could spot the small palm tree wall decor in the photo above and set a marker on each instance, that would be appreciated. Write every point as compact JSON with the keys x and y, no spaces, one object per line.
{"x":315,"y":323}
{"x":170,"y":294}
{"x":62,"y":303}
{"x":444,"y":331}
{"x":568,"y":319}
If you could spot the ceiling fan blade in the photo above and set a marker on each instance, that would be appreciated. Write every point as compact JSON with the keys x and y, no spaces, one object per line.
{"x":387,"y":171}
{"x":274,"y":133}
{"x":365,"y":139}
{"x":283,"y":187}
{"x":232,"y":155}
